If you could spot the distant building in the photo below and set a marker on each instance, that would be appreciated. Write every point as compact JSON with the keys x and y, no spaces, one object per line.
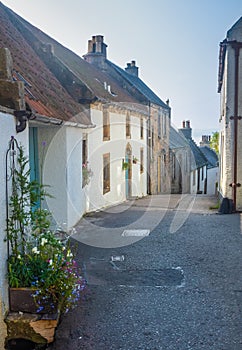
{"x":212,"y":169}
{"x":230,"y":89}
{"x":158,"y":121}
{"x":198,"y":162}
{"x":205,"y":141}
{"x":180,"y":162}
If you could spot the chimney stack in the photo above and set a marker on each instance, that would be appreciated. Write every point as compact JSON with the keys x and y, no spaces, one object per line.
{"x":132,"y":69}
{"x":186,"y":129}
{"x":205,"y":140}
{"x":97,"y":51}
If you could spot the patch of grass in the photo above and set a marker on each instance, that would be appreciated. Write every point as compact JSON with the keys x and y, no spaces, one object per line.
{"x":215,"y":206}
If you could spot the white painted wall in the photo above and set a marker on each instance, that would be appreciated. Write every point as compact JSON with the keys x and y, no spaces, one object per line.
{"x":193,"y":184}
{"x":212,"y":178}
{"x":62,"y":171}
{"x":203,"y":174}
{"x":226,"y":111}
{"x":7,"y":129}
{"x":76,"y":205}
{"x":116,"y":147}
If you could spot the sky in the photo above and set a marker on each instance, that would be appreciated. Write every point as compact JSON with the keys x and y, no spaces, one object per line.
{"x":175,"y":44}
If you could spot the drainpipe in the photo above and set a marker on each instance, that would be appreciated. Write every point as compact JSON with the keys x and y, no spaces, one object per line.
{"x":236,"y":47}
{"x":148,"y":151}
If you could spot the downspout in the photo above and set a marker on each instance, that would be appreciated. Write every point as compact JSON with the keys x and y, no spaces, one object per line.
{"x":148,"y":151}
{"x":236,"y":46}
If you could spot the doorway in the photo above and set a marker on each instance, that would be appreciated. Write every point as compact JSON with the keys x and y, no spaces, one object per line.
{"x":128,"y":171}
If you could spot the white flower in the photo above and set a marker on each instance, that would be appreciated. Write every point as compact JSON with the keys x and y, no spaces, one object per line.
{"x":69,"y":254}
{"x":43,"y":241}
{"x":19,"y":256}
{"x":50,"y":262}
{"x":35,"y":250}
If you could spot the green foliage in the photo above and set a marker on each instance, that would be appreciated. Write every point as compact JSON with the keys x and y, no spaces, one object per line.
{"x":125,"y":165}
{"x":38,"y":258}
{"x":214,"y":142}
{"x":86,"y":174}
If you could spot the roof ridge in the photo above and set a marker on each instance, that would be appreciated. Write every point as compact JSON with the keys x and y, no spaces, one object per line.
{"x":132,"y":78}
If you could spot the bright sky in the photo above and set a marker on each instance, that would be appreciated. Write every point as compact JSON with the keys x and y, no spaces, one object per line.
{"x":175,"y":44}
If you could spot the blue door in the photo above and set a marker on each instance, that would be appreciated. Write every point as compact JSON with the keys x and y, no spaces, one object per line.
{"x":34,"y":156}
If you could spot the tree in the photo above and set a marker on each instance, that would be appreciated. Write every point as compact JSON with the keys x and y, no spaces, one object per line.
{"x":214,"y":141}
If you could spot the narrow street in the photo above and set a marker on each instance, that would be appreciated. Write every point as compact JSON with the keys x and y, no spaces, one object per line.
{"x":163,"y":273}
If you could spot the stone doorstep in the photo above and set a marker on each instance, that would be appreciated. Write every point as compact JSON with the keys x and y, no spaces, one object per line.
{"x":40,"y":329}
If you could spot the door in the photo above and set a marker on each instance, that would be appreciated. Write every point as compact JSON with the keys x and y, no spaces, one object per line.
{"x":128,"y":171}
{"x":34,"y":156}
{"x":159,"y":174}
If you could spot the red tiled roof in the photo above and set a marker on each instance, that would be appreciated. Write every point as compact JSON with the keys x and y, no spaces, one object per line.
{"x":38,"y":107}
{"x":50,"y":97}
{"x":60,"y":80}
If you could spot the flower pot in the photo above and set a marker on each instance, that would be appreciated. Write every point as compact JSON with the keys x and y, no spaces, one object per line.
{"x":22,"y":299}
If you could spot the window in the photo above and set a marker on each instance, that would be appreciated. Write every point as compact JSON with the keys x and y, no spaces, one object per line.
{"x":84,"y":149}
{"x":128,"y":133}
{"x":106,"y":125}
{"x":142,"y":128}
{"x":159,"y":124}
{"x":84,"y":161}
{"x":106,"y":173}
{"x":141,"y":160}
{"x":173,"y":167}
{"x":164,"y":124}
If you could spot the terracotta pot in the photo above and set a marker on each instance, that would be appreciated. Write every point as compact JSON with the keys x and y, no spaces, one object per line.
{"x":21,"y":299}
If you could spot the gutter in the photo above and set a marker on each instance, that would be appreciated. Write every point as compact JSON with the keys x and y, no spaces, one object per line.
{"x":54,"y":121}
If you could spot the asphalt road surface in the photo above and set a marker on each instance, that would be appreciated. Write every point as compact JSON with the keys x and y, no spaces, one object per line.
{"x":162,"y":274}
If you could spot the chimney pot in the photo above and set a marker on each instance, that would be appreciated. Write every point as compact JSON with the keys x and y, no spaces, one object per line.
{"x":188,"y":124}
{"x":183,"y":124}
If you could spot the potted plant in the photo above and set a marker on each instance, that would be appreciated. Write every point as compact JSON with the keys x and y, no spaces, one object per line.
{"x":135,"y":160}
{"x":39,"y":263}
{"x":125,"y":165}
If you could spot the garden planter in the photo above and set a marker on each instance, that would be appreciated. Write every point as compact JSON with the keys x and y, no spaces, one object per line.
{"x":21,"y":299}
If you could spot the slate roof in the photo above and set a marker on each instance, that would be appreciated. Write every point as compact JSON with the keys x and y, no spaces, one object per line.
{"x":177,"y":140}
{"x":198,"y":159}
{"x":60,"y":82}
{"x":135,"y":81}
{"x":211,"y":156}
{"x":223,"y":49}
